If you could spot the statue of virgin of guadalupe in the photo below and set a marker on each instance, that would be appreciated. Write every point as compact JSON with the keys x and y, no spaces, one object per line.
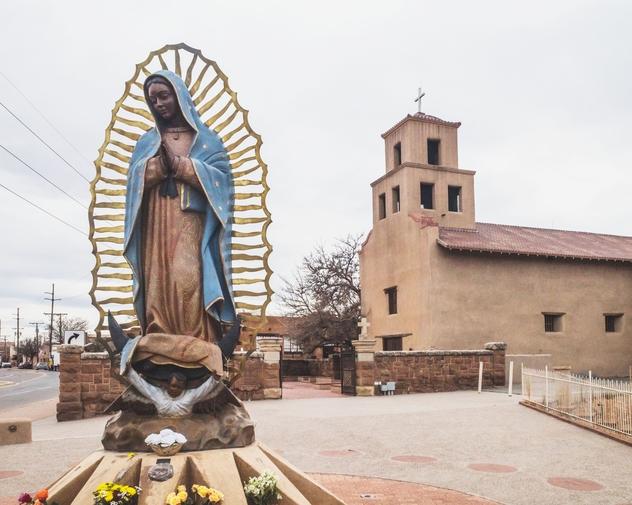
{"x":177,"y":230}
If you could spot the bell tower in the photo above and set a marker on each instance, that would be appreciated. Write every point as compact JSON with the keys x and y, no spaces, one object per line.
{"x":423,"y":175}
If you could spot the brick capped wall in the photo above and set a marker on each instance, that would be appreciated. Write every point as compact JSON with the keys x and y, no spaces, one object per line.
{"x":435,"y":370}
{"x":260,"y":379}
{"x":86,"y":387}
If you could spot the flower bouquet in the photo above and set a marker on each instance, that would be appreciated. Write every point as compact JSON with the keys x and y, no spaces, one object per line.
{"x":39,"y":498}
{"x":111,"y":493}
{"x":166,"y":443}
{"x":199,"y":495}
{"x":262,"y":490}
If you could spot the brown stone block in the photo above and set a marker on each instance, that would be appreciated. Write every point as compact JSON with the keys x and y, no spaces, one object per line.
{"x":70,"y":368}
{"x":91,"y":368}
{"x":70,"y":397}
{"x":70,"y":387}
{"x":85,"y":377}
{"x":90,"y":396}
{"x":68,"y":416}
{"x":69,"y":407}
{"x":97,"y":379}
{"x":102,"y":388}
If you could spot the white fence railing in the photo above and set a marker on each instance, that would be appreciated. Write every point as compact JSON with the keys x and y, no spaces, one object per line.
{"x":602,"y":402}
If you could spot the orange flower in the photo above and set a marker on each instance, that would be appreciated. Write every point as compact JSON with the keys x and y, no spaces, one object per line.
{"x":42,"y":495}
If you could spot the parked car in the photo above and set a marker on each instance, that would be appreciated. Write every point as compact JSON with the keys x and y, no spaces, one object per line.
{"x":6,"y":364}
{"x":41,"y":366}
{"x":26,"y":366}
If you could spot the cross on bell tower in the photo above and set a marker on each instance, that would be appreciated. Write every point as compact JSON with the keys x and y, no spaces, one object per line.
{"x":420,"y":95}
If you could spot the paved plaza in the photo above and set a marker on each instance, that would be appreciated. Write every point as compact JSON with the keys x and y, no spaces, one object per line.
{"x":448,"y":448}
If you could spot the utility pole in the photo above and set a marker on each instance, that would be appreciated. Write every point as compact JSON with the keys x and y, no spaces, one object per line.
{"x":37,"y":341}
{"x":52,"y":314}
{"x":17,"y":334}
{"x":61,"y":335}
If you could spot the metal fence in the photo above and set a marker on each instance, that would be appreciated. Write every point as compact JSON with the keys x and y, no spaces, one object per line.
{"x":602,"y":402}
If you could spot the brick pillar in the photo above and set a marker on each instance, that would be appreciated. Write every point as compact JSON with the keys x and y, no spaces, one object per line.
{"x":498,"y":361}
{"x":70,"y":406}
{"x":271,"y":350}
{"x":365,"y":366}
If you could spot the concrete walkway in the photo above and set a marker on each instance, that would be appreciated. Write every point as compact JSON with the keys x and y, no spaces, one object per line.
{"x":485,"y":445}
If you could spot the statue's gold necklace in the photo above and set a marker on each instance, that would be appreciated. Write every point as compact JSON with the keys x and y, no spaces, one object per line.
{"x":175,"y":132}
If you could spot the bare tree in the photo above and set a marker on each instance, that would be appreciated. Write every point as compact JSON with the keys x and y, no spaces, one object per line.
{"x":324,"y":295}
{"x":68,"y":323}
{"x":28,"y":348}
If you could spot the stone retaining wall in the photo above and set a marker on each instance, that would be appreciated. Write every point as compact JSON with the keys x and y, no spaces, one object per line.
{"x":86,"y":386}
{"x":429,"y":371}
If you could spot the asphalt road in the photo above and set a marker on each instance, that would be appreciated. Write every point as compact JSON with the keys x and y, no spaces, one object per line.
{"x":21,"y":387}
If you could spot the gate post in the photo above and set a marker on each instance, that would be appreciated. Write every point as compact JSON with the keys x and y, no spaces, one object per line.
{"x":271,"y":349}
{"x":365,"y":366}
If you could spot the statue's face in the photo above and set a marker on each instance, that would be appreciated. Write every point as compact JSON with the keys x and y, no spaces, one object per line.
{"x":175,"y":386}
{"x":163,"y":100}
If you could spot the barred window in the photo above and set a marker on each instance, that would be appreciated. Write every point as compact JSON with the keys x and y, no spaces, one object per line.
{"x":391,"y":295}
{"x":552,"y":323}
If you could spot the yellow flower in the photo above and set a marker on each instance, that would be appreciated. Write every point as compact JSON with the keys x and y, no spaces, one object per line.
{"x":130,"y":455}
{"x":202,"y":491}
{"x":181,"y":488}
{"x":109,"y":496}
{"x":182,"y":495}
{"x":131,"y":491}
{"x":172,"y":499}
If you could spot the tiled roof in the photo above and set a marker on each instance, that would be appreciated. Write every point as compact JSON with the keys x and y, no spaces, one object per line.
{"x":506,"y":239}
{"x":422,"y":116}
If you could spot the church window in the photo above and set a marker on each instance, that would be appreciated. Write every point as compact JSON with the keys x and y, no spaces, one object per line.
{"x":552,"y":323}
{"x":613,"y":322}
{"x":391,"y":296}
{"x":381,"y":203}
{"x":392,"y":344}
{"x":454,"y":199}
{"x":397,"y":154}
{"x":396,"y":203}
{"x":427,"y":195}
{"x":433,"y":151}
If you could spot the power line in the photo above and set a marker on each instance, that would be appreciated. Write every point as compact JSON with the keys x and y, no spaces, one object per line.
{"x":44,"y":142}
{"x":44,"y":117}
{"x":44,"y":210}
{"x":42,"y":176}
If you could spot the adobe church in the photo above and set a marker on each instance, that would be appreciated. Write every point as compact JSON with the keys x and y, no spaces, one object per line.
{"x":433,"y":277}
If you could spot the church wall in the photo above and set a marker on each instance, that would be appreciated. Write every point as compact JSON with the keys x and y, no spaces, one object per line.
{"x":478,"y":298}
{"x":391,"y":258}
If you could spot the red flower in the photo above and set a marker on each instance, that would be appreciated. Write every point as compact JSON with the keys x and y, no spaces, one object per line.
{"x":25,"y":498}
{"x":42,"y":495}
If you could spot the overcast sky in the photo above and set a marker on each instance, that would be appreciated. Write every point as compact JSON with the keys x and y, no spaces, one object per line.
{"x":542,"y":90}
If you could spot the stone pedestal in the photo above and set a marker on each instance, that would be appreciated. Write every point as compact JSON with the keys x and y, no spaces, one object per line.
{"x":365,"y":366}
{"x":223,"y":469}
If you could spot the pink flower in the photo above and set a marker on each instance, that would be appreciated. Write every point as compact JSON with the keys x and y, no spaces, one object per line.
{"x":25,"y":498}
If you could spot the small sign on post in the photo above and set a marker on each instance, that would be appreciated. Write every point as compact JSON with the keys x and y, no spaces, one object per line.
{"x":480,"y":376}
{"x":75,"y":337}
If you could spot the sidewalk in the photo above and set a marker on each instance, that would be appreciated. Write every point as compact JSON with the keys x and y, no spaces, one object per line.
{"x":485,"y":445}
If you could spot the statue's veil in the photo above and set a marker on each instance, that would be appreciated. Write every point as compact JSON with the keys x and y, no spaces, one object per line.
{"x":219,"y":109}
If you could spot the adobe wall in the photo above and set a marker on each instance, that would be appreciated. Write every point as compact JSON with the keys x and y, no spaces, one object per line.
{"x":493,"y":297}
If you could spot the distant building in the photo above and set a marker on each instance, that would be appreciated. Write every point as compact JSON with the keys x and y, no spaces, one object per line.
{"x":433,"y":277}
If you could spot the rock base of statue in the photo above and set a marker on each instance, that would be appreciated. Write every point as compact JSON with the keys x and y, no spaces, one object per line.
{"x":230,"y":427}
{"x":223,"y":469}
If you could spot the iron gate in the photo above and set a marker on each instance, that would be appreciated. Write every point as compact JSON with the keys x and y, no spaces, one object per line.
{"x":348,"y":372}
